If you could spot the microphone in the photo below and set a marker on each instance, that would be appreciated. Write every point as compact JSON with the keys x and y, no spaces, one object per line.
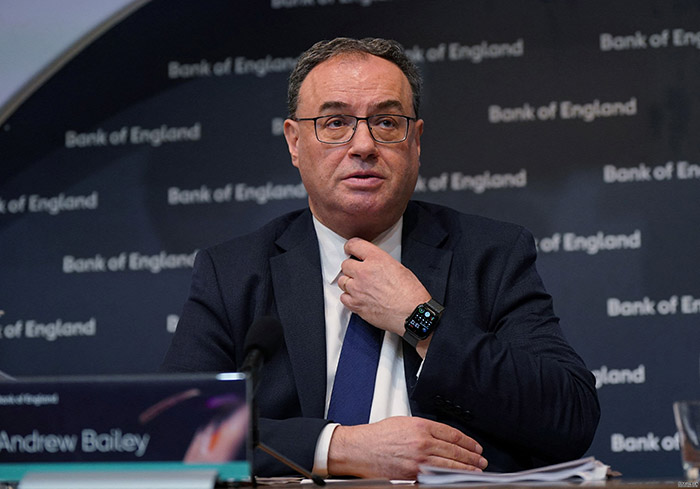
{"x":263,"y":339}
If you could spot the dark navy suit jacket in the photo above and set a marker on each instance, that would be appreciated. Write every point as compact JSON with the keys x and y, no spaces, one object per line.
{"x":498,"y":367}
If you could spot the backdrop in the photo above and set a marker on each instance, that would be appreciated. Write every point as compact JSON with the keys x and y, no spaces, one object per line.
{"x":162,"y":136}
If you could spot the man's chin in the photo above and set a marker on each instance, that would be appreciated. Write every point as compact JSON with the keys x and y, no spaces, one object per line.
{"x":360,"y":210}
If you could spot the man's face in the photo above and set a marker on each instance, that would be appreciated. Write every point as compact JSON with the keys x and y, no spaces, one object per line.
{"x":361,"y":187}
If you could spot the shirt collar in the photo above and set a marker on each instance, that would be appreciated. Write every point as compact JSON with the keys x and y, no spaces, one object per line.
{"x":332,"y":253}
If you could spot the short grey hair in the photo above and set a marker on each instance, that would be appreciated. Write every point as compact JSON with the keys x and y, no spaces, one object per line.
{"x":325,"y":50}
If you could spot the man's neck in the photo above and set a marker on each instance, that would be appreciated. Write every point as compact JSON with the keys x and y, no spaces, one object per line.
{"x":366,"y":229}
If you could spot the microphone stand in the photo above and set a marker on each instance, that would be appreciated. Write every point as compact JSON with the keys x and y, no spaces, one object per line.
{"x":255,"y":434}
{"x":317,"y":479}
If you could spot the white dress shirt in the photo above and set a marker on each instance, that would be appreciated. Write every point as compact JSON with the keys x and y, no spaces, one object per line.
{"x":390,"y":392}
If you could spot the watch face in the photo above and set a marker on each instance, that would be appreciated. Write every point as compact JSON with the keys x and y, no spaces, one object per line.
{"x":421,"y":322}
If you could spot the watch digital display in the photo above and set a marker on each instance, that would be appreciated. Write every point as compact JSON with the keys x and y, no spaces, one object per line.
{"x":421,"y":321}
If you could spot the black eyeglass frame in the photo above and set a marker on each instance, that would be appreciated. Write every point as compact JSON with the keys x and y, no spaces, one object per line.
{"x":357,"y":122}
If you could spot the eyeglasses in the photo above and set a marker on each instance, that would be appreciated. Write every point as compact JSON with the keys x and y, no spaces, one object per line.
{"x":340,"y":128}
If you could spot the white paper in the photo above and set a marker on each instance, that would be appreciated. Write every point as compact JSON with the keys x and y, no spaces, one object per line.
{"x":588,"y":469}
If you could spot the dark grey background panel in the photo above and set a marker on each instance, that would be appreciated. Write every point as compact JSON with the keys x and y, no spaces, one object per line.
{"x":576,"y":119}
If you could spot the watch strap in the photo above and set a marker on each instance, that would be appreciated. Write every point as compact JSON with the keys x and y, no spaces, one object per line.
{"x":435,"y":306}
{"x":410,"y":338}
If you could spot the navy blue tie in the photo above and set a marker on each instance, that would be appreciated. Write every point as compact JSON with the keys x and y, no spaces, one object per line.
{"x":353,"y":387}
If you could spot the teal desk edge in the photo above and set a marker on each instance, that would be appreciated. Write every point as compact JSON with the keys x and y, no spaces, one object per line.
{"x":238,"y":470}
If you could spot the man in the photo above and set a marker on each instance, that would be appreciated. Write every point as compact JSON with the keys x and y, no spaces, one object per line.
{"x":491,"y":383}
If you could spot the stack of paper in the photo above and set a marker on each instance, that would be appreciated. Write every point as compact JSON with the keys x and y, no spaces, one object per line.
{"x":588,"y":469}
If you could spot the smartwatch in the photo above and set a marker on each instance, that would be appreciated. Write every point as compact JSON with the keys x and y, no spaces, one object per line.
{"x":422,"y":321}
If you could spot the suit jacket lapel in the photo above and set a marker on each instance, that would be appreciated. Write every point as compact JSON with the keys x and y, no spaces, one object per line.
{"x":298,"y":290}
{"x":423,"y":254}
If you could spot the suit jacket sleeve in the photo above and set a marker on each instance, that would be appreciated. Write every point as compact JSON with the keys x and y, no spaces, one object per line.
{"x":210,"y":338}
{"x":498,"y":366}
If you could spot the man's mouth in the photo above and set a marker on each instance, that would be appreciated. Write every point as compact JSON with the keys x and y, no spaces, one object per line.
{"x":364,"y":176}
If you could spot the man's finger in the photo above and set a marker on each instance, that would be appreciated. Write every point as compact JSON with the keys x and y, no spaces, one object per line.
{"x":452,"y":464}
{"x":343,"y":282}
{"x":349,"y":267}
{"x":455,"y":437}
{"x":359,"y":248}
{"x":458,"y":454}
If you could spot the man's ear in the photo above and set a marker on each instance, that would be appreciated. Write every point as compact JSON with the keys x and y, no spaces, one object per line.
{"x":418,"y":134}
{"x":291,"y":134}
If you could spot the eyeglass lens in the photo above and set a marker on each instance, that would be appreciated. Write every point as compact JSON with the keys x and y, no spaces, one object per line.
{"x":384,"y":128}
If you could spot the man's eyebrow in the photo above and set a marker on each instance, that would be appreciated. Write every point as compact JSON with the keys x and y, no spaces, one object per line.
{"x":389,"y":104}
{"x":337,"y":105}
{"x":332,"y":105}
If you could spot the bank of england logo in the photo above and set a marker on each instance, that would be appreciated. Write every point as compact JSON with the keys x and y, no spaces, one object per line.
{"x":613,"y":376}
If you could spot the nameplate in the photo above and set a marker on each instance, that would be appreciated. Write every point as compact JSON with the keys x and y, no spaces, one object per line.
{"x":125,"y":423}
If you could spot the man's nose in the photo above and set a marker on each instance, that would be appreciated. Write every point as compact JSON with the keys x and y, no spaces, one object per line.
{"x":362,"y":142}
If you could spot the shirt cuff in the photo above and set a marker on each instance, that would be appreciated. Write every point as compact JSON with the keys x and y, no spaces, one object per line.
{"x":321,"y":454}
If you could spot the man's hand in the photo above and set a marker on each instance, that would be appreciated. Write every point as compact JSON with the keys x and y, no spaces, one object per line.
{"x":394,"y":448}
{"x":378,"y":288}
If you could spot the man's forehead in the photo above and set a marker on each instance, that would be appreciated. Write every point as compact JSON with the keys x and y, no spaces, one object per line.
{"x":347,"y":79}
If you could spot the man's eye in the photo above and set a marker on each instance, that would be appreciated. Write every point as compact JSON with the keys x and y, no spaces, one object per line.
{"x":386,"y":123}
{"x":336,"y":122}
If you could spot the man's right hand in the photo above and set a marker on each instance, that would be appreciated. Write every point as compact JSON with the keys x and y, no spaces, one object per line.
{"x":394,"y":448}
